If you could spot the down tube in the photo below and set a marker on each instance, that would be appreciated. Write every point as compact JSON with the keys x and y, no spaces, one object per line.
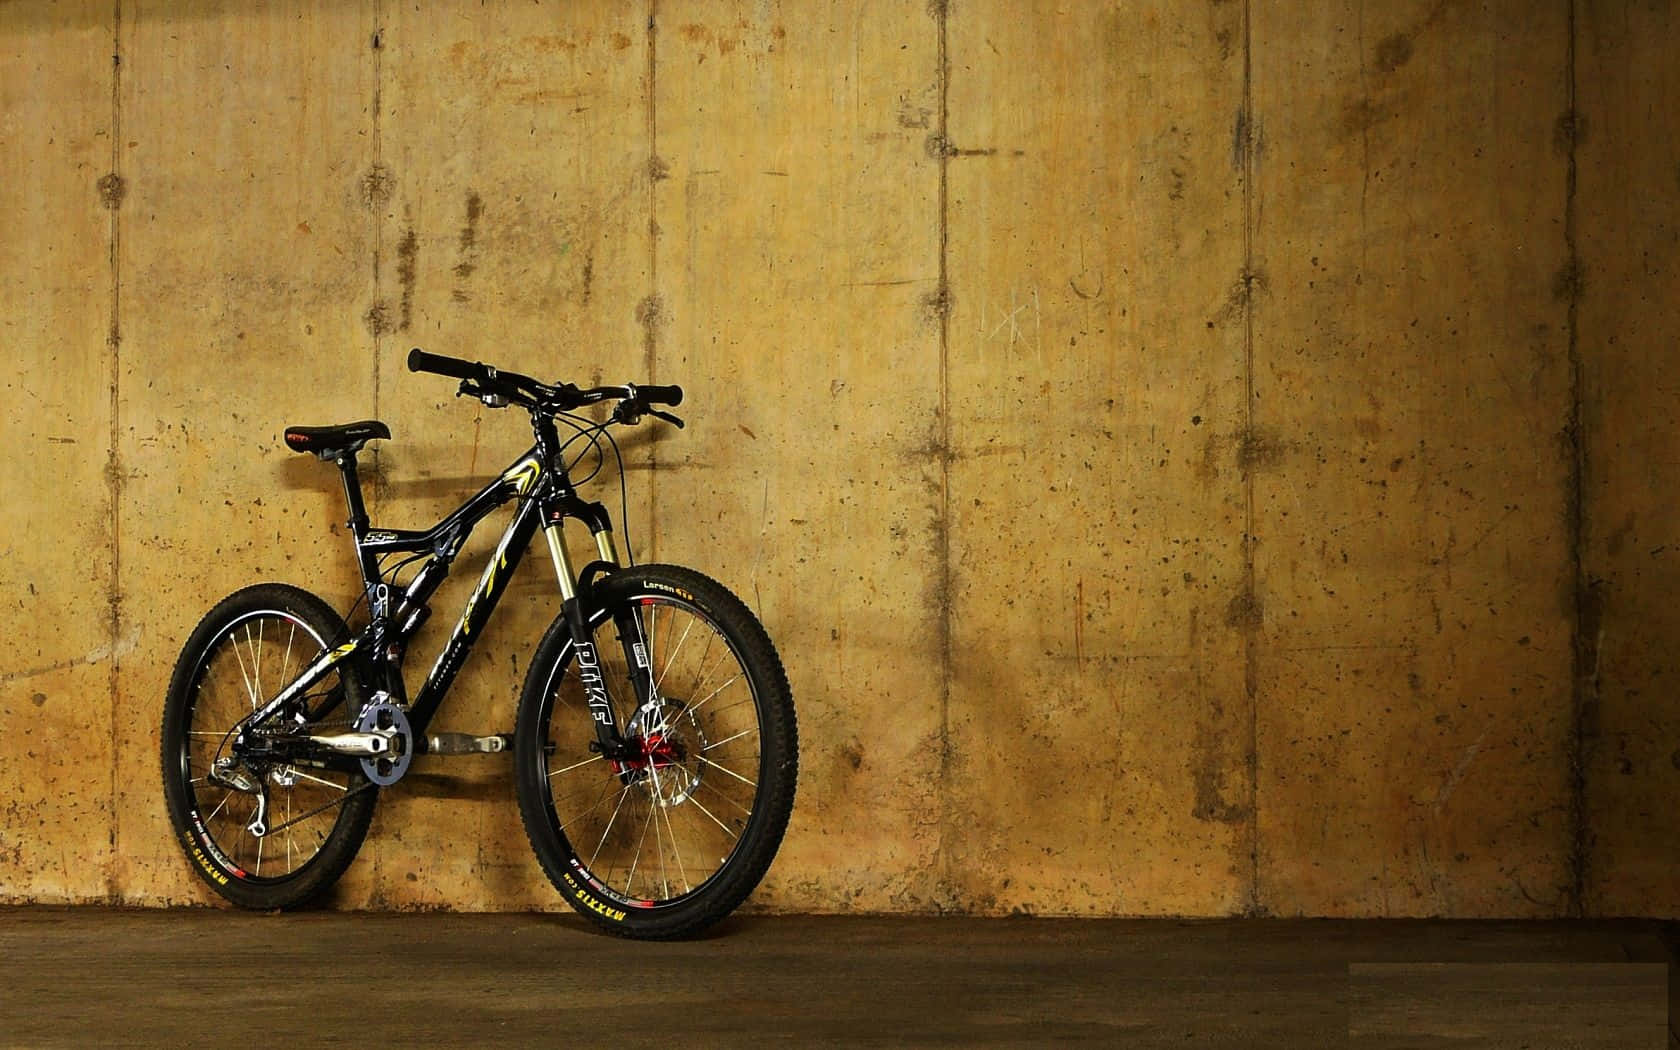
{"x":477,"y":613}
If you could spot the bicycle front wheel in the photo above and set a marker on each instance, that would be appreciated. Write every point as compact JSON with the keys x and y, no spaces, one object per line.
{"x":671,"y":838}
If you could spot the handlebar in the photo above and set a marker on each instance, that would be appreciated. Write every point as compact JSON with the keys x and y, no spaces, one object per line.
{"x":420,"y":361}
{"x":498,"y":388}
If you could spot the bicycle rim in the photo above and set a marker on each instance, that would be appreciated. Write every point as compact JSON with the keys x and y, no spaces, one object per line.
{"x":656,"y":830}
{"x":243,"y":666}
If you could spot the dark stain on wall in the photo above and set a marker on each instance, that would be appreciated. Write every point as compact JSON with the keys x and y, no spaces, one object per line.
{"x":1238,"y":300}
{"x":911,"y":115}
{"x":1259,"y":448}
{"x":466,"y":245}
{"x":377,"y":186}
{"x":378,"y":318}
{"x":1207,"y":771}
{"x":1245,"y":612}
{"x":1393,"y":52}
{"x":1570,"y":282}
{"x":650,"y":314}
{"x":936,"y":306}
{"x":1569,"y":132}
{"x":408,"y":257}
{"x":469,"y":232}
{"x":1361,"y":115}
{"x":112,"y":189}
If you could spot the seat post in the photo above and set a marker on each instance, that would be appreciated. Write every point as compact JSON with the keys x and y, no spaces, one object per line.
{"x":353,"y":493}
{"x":366,"y":560}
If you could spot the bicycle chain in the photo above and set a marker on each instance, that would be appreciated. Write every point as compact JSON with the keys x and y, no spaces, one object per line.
{"x":341,"y":800}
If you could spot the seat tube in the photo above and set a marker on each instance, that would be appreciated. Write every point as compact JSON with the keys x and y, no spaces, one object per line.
{"x":366,"y":561}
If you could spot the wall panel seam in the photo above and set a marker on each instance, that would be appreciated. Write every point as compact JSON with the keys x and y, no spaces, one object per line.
{"x":1251,"y":632}
{"x":1585,"y":613}
{"x":651,"y":310}
{"x":945,"y":891}
{"x":113,"y":191}
{"x":379,"y":182}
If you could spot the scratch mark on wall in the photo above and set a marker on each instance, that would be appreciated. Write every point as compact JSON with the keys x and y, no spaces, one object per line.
{"x":113,"y":651}
{"x":1456,"y":777}
{"x":1019,"y":328}
{"x":1073,"y":283}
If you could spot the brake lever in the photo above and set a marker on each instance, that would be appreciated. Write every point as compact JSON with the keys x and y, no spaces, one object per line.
{"x":667,"y":417}
{"x":471,"y":389}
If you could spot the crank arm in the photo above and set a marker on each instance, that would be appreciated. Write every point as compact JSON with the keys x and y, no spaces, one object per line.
{"x":371,"y":744}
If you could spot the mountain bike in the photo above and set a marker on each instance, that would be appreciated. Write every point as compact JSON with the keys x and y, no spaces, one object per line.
{"x":654,"y":743}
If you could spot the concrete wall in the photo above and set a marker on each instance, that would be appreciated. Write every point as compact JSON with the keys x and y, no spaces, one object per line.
{"x":1195,"y":458}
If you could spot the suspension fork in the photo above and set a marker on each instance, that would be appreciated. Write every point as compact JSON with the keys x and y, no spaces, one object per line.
{"x":608,"y":733}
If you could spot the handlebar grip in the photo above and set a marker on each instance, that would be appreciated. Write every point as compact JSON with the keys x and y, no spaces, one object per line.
{"x":661,"y":395}
{"x":420,"y":361}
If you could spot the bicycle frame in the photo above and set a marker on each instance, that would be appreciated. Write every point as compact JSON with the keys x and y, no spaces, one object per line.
{"x":546,"y":498}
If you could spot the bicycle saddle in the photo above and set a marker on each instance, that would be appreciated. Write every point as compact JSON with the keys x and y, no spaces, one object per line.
{"x":331,"y":442}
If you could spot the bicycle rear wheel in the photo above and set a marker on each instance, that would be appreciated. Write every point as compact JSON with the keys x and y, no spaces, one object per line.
{"x":673,"y":838}
{"x":243,"y":652}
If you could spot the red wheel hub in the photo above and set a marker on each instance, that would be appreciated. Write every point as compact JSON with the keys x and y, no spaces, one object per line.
{"x":656,"y":749}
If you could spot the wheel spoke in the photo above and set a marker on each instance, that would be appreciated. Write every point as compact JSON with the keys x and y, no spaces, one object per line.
{"x":671,"y":657}
{"x":715,"y":820}
{"x":696,"y":706}
{"x":324,"y":783}
{"x":675,"y":852}
{"x":249,"y":688}
{"x":630,"y":879}
{"x":576,"y":765}
{"x":598,"y":804}
{"x":286,"y":661}
{"x":701,"y":677}
{"x":719,"y":743}
{"x":731,"y":772}
{"x":724,"y":797}
{"x":226,"y":794}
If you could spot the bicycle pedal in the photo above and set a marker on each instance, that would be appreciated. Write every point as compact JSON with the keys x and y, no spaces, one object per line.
{"x":467,"y":744}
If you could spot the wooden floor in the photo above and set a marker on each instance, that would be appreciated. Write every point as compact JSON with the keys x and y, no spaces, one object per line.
{"x":99,"y":977}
